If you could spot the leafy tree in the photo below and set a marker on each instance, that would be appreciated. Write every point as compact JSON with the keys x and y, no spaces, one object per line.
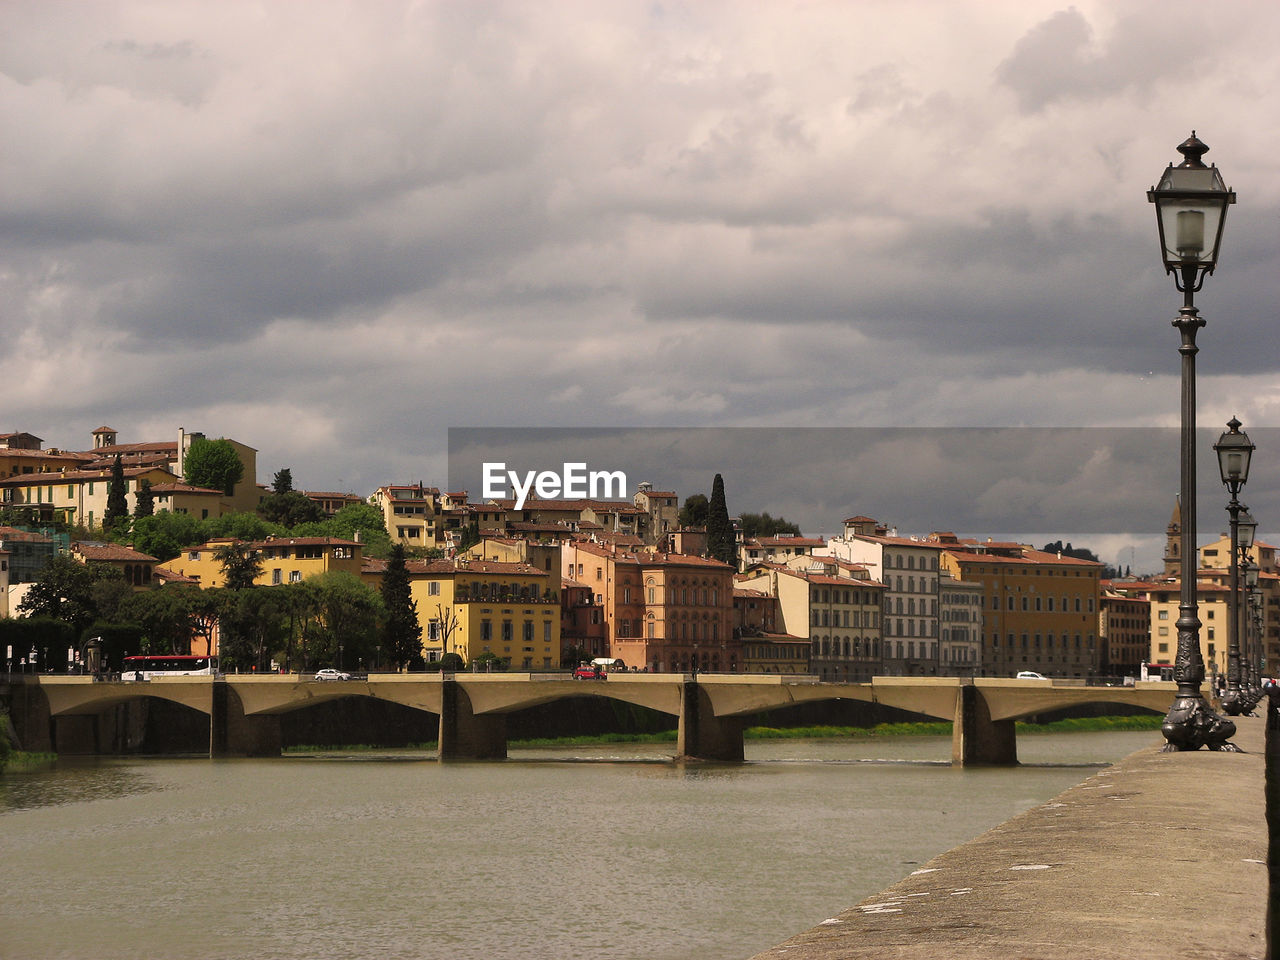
{"x":242,"y":525}
{"x":489,"y":661}
{"x":401,"y":631}
{"x":117,"y":505}
{"x":695,"y":510}
{"x":241,"y":566}
{"x":144,"y":500}
{"x":286,"y":506}
{"x":449,"y":663}
{"x":110,"y":597}
{"x":720,"y":538}
{"x":213,"y":464}
{"x":254,"y":625}
{"x":164,"y":534}
{"x":763,"y":525}
{"x":290,"y":509}
{"x":64,"y":591}
{"x":343,"y":622}
{"x":165,"y":617}
{"x":355,"y":521}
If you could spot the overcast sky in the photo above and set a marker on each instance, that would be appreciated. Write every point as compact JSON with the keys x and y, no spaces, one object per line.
{"x":332,"y":231}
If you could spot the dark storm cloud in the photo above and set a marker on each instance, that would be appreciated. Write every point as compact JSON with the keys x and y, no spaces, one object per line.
{"x":334,"y":230}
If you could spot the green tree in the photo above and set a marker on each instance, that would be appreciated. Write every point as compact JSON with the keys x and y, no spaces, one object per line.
{"x":243,"y":525}
{"x":287,"y":506}
{"x":240,"y":565}
{"x":355,"y":521}
{"x":144,"y":501}
{"x":254,"y":627}
{"x":720,"y":537}
{"x":213,"y":464}
{"x":64,"y":591}
{"x":164,"y":534}
{"x":343,"y":621}
{"x":401,"y":631}
{"x":694,"y":512}
{"x":117,"y":505}
{"x":282,"y":482}
{"x":763,"y":525}
{"x":165,"y":617}
{"x":470,"y":536}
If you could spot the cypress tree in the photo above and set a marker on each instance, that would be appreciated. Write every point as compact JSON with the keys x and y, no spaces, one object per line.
{"x":402,"y":633}
{"x":117,"y":505}
{"x":720,"y":541}
{"x":145,"y":504}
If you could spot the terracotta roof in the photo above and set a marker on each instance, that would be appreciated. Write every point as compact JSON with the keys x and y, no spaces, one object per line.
{"x":473,"y":566}
{"x":1026,"y":556}
{"x":71,"y":476}
{"x":183,"y":488}
{"x":303,"y":542}
{"x":103,"y":552}
{"x":165,"y":575}
{"x":787,"y":541}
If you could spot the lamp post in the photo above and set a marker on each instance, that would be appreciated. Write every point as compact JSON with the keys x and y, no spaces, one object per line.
{"x":1251,"y":676}
{"x":1247,"y":527}
{"x":1191,"y":204}
{"x":1234,"y":451}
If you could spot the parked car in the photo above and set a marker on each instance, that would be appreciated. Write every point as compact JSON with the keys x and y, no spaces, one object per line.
{"x":328,"y":673}
{"x":1030,"y":675}
{"x":587,"y":673}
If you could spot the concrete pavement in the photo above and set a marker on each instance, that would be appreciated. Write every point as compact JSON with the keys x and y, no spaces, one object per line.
{"x":1162,"y":855}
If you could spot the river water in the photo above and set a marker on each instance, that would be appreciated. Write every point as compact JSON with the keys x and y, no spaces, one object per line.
{"x":600,"y":853}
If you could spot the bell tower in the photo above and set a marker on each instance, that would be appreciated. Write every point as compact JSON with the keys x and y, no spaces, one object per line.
{"x":1173,"y":542}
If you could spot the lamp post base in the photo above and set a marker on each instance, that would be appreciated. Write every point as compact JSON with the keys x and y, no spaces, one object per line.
{"x":1190,"y":725}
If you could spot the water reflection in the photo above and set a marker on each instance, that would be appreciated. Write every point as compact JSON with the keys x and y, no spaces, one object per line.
{"x":610,"y":853}
{"x":72,"y":781}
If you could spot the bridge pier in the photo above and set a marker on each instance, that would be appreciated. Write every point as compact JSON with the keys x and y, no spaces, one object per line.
{"x":31,"y":718}
{"x":232,"y":734}
{"x":976,"y":738}
{"x":702,"y":735}
{"x":464,"y":735}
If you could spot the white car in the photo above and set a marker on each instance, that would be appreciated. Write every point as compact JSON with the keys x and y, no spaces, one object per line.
{"x":1029,"y":675}
{"x":328,"y":673}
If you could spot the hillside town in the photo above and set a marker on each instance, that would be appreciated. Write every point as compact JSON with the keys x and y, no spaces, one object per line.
{"x":551,"y":584}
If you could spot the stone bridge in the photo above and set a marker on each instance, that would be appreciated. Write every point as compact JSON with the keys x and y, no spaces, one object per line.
{"x":244,"y":711}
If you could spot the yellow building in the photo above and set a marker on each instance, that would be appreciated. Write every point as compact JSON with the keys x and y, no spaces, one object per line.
{"x":411,"y":514}
{"x":76,"y":496}
{"x":72,"y":487}
{"x":1164,"y":597}
{"x":284,"y":559}
{"x":1040,"y":610}
{"x":472,"y":607}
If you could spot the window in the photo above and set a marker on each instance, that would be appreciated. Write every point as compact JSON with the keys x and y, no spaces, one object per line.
{"x":433,"y":588}
{"x":486,"y":630}
{"x":508,"y":631}
{"x":295,"y":576}
{"x":276,"y":576}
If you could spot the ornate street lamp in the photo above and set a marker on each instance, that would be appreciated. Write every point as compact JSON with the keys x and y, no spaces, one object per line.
{"x":1191,"y":206}
{"x":1234,"y":451}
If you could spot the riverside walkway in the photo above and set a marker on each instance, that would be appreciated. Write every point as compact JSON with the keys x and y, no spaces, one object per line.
{"x":1162,"y":855}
